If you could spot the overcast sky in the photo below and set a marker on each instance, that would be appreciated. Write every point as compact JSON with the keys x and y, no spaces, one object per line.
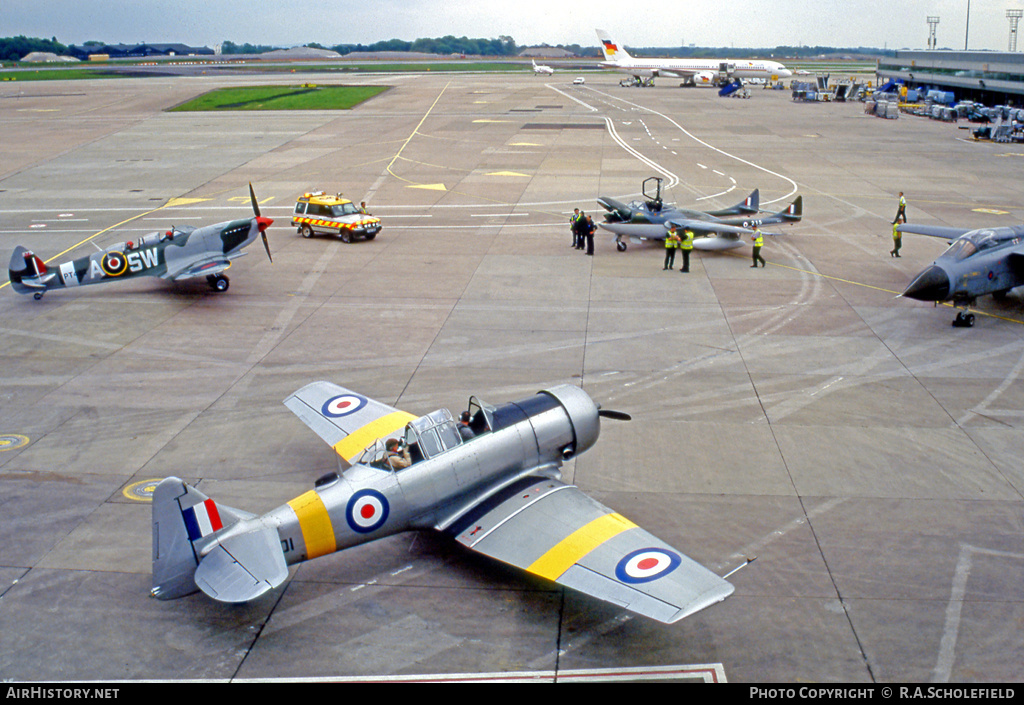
{"x":740,"y":23}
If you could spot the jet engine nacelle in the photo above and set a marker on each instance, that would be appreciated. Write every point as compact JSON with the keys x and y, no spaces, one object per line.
{"x":704,"y":78}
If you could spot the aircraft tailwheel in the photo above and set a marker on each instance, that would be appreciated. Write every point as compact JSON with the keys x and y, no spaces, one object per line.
{"x":219,"y":283}
{"x":38,"y":295}
{"x":621,"y":246}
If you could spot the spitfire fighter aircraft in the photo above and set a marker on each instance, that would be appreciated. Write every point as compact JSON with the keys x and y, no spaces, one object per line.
{"x":713,"y":230}
{"x":978,"y":262}
{"x":491,"y":481}
{"x":176,"y":255}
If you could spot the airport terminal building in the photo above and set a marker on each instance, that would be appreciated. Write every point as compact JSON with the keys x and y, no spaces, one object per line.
{"x":988,"y":77}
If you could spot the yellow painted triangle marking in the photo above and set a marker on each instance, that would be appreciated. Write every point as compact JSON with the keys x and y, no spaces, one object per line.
{"x":431,"y":187}
{"x":185,"y":201}
{"x":507,"y":173}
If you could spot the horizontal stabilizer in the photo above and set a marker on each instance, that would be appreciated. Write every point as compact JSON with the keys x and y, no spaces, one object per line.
{"x":750,"y":204}
{"x":183,"y":519}
{"x":27,"y":272}
{"x":243,"y":567}
{"x":794,"y":211}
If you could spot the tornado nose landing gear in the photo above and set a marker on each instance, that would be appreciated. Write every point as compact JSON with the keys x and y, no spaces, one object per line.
{"x":964,"y":319}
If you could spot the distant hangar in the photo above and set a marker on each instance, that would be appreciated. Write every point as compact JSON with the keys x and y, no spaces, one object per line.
{"x":987,"y":77}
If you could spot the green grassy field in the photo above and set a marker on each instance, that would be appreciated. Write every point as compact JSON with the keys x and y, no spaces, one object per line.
{"x":304,"y":97}
{"x":60,"y":74}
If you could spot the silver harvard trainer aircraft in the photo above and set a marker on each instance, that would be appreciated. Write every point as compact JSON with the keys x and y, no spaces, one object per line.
{"x":491,"y":481}
{"x":177,"y":254}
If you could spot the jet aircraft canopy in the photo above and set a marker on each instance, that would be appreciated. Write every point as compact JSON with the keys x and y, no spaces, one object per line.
{"x":975,"y":241}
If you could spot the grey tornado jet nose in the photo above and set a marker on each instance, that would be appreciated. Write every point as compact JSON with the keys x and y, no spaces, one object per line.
{"x":930,"y":285}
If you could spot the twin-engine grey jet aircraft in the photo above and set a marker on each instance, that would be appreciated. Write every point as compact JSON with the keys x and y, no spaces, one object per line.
{"x":978,"y":262}
{"x":177,"y":254}
{"x":491,"y":483}
{"x":724,"y":229}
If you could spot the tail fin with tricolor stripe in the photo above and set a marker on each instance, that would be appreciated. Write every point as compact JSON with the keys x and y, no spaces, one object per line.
{"x":185,"y":521}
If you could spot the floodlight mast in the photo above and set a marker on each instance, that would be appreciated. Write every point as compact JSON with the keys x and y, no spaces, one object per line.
{"x":1014,"y":17}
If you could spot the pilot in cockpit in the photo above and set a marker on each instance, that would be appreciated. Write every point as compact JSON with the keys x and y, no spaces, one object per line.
{"x":397,"y":454}
{"x":465,"y":430}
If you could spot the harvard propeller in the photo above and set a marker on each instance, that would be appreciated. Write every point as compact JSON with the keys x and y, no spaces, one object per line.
{"x":491,"y":481}
{"x":978,"y":262}
{"x":177,"y":254}
{"x":724,"y":229}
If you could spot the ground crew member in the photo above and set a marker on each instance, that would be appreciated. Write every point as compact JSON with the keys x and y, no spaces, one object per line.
{"x":901,"y":210}
{"x":576,"y":227}
{"x":671,"y":245}
{"x":686,"y":246}
{"x":758,"y":239}
{"x":588,"y":233}
{"x":897,"y":241}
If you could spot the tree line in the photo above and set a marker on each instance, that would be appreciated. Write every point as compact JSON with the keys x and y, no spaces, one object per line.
{"x":14,"y":48}
{"x":502,"y":46}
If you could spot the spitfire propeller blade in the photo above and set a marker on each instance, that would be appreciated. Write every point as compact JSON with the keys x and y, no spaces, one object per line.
{"x":252,"y":198}
{"x":261,"y":222}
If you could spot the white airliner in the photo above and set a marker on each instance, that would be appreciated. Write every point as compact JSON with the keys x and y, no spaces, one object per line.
{"x":699,"y":72}
{"x":541,"y":69}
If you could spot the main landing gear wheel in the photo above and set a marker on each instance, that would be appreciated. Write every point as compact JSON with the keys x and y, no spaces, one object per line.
{"x":620,"y":246}
{"x":218,"y":283}
{"x":307,"y":232}
{"x":38,"y":295}
{"x":964,"y":320}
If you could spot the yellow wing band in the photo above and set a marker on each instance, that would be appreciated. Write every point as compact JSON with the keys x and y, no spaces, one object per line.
{"x":354,"y":443}
{"x":567,"y":552}
{"x":315,"y":523}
